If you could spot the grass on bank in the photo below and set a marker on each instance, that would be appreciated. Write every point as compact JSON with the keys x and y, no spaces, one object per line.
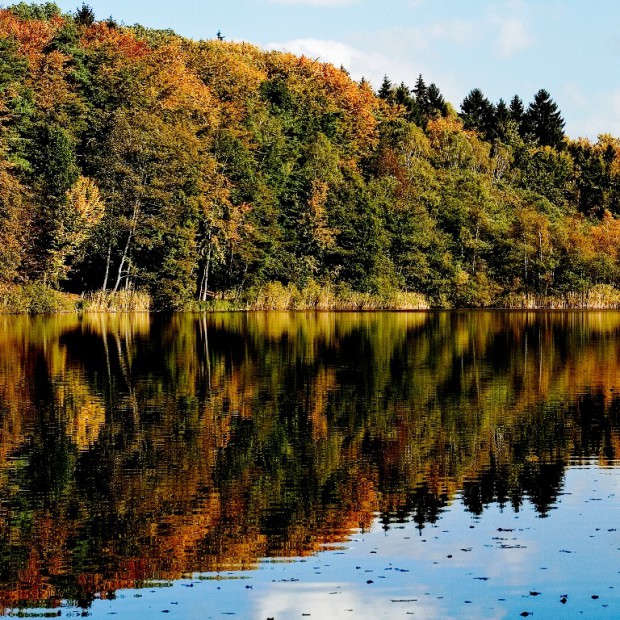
{"x":276,"y":296}
{"x":36,"y":298}
{"x":599,"y":297}
{"x":121,"y":301}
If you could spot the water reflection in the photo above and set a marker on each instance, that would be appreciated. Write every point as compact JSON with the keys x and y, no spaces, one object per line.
{"x":136,"y":448}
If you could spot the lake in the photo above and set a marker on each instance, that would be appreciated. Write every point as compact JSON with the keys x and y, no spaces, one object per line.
{"x":283,"y":465}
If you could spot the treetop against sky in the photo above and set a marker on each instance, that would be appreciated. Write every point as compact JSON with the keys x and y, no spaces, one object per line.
{"x":502,"y":47}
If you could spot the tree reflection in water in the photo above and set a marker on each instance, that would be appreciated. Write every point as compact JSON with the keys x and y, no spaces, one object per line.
{"x":135,"y":448}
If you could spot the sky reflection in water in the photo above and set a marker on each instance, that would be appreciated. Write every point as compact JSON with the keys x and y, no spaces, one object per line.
{"x":500,"y":564}
{"x":438,"y":464}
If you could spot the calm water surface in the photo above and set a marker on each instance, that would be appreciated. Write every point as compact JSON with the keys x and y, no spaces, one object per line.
{"x":283,"y":465}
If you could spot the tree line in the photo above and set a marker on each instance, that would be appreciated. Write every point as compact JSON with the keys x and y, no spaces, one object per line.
{"x":133,"y":158}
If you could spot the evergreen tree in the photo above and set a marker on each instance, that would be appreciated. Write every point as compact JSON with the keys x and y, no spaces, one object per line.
{"x":436,"y":102}
{"x":402,"y":96}
{"x":517,"y":113}
{"x":420,"y":90}
{"x":517,"y":109}
{"x":544,"y":120}
{"x":502,"y":121}
{"x":386,"y":91}
{"x":477,"y":113}
{"x":85,"y":16}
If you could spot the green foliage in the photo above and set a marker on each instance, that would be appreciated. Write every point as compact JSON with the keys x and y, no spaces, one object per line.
{"x":549,"y":173}
{"x":154,"y":37}
{"x":34,"y":11}
{"x":53,"y":159}
{"x":544,"y":121}
{"x":213,"y":173}
{"x":35,"y":298}
{"x":85,"y":16}
{"x":12,"y":66}
{"x":478,"y":113}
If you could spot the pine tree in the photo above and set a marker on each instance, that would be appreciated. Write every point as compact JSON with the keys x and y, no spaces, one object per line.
{"x":420,"y":90}
{"x":502,"y":121}
{"x":436,"y":102}
{"x":477,"y":113}
{"x":387,"y":89}
{"x":517,"y":110}
{"x":404,"y":97}
{"x":85,"y":16}
{"x":544,"y":120}
{"x":517,"y":113}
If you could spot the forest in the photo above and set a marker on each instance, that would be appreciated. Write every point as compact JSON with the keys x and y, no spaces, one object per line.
{"x":140,"y":169}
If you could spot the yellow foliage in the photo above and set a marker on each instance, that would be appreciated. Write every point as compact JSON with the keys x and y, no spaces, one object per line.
{"x":231,"y":71}
{"x":457,"y":148}
{"x":85,"y":198}
{"x":323,"y":235}
{"x":87,"y":424}
{"x":606,"y":236}
{"x":32,"y":36}
{"x":173,"y":86}
{"x":50,"y":81}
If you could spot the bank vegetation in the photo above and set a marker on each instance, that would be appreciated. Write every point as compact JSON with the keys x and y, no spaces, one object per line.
{"x":142,"y":170}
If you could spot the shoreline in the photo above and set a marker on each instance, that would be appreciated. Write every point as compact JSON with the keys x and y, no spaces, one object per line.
{"x":38,"y":299}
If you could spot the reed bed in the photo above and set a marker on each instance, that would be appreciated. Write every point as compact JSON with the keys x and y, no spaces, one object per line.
{"x":599,"y":297}
{"x":121,"y":301}
{"x":35,"y":298}
{"x":276,"y":296}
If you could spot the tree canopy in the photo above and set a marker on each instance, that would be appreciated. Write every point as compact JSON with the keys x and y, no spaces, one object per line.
{"x":134,"y":158}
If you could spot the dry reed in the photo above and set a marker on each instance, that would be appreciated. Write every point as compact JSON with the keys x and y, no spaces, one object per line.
{"x":121,"y":301}
{"x":276,"y":296}
{"x":599,"y":297}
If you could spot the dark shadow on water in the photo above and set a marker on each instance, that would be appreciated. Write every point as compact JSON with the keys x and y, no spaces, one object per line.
{"x":135,"y":448}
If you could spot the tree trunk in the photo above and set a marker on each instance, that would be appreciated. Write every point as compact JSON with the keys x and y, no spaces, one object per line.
{"x":107,"y":268}
{"x":207,"y":355}
{"x":134,"y":220}
{"x":206,"y":276}
{"x":475,"y":257}
{"x":525,"y":259}
{"x":123,"y":259}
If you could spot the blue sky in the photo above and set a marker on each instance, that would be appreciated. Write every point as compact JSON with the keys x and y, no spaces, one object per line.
{"x":507,"y":47}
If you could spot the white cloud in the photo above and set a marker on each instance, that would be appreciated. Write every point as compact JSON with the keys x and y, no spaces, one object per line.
{"x":576,"y":96}
{"x":371,"y":65}
{"x":316,"y":2}
{"x":290,"y":601}
{"x":600,"y":115}
{"x":512,"y":35}
{"x":399,"y":53}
